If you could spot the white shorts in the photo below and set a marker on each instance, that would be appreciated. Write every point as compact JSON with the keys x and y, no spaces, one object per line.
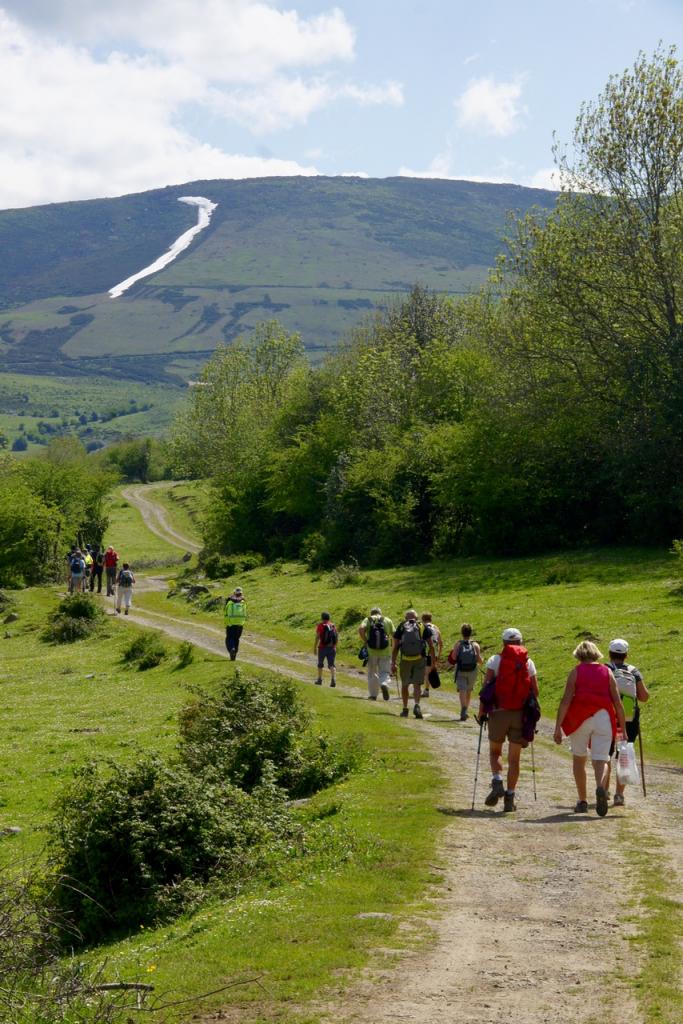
{"x":597,"y":729}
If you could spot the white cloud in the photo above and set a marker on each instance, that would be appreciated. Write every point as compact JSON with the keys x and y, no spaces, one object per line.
{"x":506,"y":173}
{"x":73,"y":127}
{"x":471,"y":59}
{"x":545,"y":177}
{"x":224,"y":40}
{"x":491,"y":107}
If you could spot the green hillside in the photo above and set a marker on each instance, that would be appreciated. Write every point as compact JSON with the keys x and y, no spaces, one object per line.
{"x":318,"y":254}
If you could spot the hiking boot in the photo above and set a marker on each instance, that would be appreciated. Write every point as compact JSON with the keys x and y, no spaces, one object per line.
{"x":497,"y":791}
{"x":318,"y":682}
{"x":618,"y":800}
{"x":333,"y":682}
{"x":581,"y":807}
{"x":385,"y":691}
{"x":601,"y":804}
{"x":126,"y":612}
{"x":425,"y":693}
{"x":509,"y":802}
{"x":463,"y":715}
{"x":404,"y":712}
{"x":118,"y":611}
{"x":233,"y":655}
{"x":417,"y":711}
{"x":370,"y":697}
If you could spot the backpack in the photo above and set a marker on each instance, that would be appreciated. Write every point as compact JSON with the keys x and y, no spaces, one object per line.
{"x":99,"y":558}
{"x":125,"y":578}
{"x":328,"y":635}
{"x":466,"y":660}
{"x":412,"y":644}
{"x":77,"y":565}
{"x":377,"y":635}
{"x":627,"y":686}
{"x":513,"y":682}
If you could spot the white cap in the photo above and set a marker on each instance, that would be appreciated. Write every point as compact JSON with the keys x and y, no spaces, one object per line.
{"x":512,"y":636}
{"x":618,"y":646}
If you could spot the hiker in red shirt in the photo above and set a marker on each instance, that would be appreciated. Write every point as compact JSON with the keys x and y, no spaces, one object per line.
{"x":325,"y":646}
{"x":511,"y":677}
{"x":110,"y":562}
{"x":588,"y":713}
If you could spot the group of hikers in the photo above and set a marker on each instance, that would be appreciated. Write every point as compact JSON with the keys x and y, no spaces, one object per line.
{"x":87,"y":566}
{"x":599,"y":711}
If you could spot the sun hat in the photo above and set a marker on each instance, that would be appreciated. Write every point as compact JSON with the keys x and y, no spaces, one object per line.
{"x":618,"y":646}
{"x":512,"y":636}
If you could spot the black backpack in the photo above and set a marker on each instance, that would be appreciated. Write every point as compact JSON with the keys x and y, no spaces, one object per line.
{"x":467,"y":656}
{"x":377,"y":635}
{"x":329,"y":635}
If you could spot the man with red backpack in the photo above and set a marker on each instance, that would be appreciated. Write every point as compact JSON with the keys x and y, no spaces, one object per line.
{"x":325,"y":646}
{"x":509,"y":683}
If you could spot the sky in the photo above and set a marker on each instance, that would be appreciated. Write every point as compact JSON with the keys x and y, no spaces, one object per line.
{"x":108,"y":97}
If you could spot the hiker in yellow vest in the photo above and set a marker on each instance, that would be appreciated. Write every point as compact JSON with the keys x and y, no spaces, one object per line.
{"x":235,"y":616}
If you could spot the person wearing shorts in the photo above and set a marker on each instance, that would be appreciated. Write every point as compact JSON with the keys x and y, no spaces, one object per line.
{"x":589,"y":712}
{"x":414,"y":641}
{"x":515,"y":679}
{"x":465,"y":679}
{"x":325,"y":646}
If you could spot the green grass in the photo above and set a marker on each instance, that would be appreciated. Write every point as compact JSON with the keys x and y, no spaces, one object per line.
{"x":612,"y":592}
{"x":29,"y":399}
{"x":659,"y":938}
{"x":132,"y":540}
{"x":184,"y":502}
{"x":372,"y":838}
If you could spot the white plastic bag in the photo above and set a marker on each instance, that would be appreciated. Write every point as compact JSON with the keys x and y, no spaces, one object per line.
{"x":627,"y":766}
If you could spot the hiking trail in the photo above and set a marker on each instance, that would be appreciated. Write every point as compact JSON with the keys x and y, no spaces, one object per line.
{"x":155,"y":516}
{"x":531,"y":913}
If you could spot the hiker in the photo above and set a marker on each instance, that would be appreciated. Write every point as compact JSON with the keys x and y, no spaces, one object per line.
{"x":111,"y":560}
{"x":235,"y":615}
{"x":633,"y":692}
{"x":414,"y":640}
{"x":375,"y":632}
{"x":325,"y":646}
{"x":588,"y":713}
{"x":97,"y":568}
{"x":124,"y":590}
{"x":76,"y":571}
{"x":89,"y":561}
{"x":438,"y":647}
{"x":465,"y":657}
{"x":511,"y":677}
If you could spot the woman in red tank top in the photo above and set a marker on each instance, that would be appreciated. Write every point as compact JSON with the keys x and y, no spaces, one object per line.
{"x":588,"y":713}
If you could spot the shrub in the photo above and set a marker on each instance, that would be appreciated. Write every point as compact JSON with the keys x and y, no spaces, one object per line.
{"x":135,"y":843}
{"x":559,"y":572}
{"x":251,"y":723}
{"x":352,"y":617}
{"x":185,"y":654}
{"x":146,"y":651}
{"x":346,"y":573}
{"x":76,"y":618}
{"x":220,"y":566}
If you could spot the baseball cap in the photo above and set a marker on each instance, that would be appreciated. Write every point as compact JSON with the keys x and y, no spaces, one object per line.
{"x":618,"y":646}
{"x":512,"y":636}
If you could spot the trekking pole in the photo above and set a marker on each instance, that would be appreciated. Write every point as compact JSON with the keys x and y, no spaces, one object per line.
{"x":642,"y":760}
{"x":476,"y":769}
{"x":533,"y":769}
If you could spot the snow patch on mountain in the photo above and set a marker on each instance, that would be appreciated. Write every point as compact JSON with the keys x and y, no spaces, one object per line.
{"x":206,"y":208}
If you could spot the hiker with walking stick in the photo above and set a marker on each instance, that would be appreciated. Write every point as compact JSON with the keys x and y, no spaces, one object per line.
{"x":510,"y":682}
{"x":633,"y":693}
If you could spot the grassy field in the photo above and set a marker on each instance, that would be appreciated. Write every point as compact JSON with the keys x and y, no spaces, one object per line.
{"x":373,"y":838}
{"x":556,"y":600}
{"x":60,"y":402}
{"x":134,"y":543}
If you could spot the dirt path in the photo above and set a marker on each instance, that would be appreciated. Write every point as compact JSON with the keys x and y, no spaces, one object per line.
{"x":527,"y":916}
{"x":155,"y":517}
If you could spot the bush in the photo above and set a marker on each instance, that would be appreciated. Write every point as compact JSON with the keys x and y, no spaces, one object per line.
{"x":146,"y":651}
{"x":220,"y":566}
{"x":346,"y":573}
{"x":76,"y":618}
{"x":352,"y":617}
{"x":136,"y":843}
{"x":249,"y":724}
{"x":185,"y":654}
{"x":559,"y":572}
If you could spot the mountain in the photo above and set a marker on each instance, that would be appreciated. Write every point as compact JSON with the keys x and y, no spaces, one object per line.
{"x":315,"y":253}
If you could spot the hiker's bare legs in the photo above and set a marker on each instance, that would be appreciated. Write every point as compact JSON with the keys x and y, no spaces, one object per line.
{"x":514,"y":755}
{"x":496,"y":757}
{"x":601,"y":769}
{"x":417,"y":692}
{"x":579,"y":768}
{"x":405,"y":690}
